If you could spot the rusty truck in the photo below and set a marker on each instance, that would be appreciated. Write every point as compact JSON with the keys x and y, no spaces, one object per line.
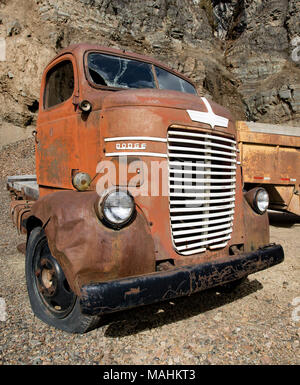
{"x":270,"y":158}
{"x":175,"y":221}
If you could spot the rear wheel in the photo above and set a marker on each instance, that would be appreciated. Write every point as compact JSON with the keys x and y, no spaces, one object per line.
{"x":51,"y":297}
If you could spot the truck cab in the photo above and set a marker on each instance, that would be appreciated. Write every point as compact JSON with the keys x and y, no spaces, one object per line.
{"x":140,"y":191}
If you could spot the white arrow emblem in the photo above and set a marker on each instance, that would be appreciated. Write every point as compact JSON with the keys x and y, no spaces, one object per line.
{"x":208,"y":117}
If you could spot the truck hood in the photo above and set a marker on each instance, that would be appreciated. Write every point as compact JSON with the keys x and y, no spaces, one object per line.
{"x":161,"y":98}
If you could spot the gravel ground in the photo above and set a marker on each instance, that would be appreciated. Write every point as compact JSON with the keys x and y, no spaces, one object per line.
{"x":17,"y":158}
{"x":256,"y":324}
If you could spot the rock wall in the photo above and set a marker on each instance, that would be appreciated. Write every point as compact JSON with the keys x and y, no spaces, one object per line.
{"x":259,"y":45}
{"x":237,"y":52}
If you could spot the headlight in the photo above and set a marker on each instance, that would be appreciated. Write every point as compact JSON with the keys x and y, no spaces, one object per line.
{"x":117,"y":208}
{"x":81,"y":181}
{"x":261,"y":201}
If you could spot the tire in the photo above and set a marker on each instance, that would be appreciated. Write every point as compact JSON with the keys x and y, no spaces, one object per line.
{"x":230,"y":286}
{"x":51,"y":298}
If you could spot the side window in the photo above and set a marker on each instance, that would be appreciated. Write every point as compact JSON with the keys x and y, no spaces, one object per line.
{"x":59,"y":84}
{"x":168,"y":81}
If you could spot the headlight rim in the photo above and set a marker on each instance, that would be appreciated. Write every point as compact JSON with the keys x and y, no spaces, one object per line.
{"x":99,"y":208}
{"x":255,"y":201}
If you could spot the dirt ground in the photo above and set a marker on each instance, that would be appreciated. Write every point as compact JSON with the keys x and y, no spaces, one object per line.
{"x":256,"y":324}
{"x":259,"y":323}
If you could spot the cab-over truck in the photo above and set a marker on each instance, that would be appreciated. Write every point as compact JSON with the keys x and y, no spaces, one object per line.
{"x":176,"y":221}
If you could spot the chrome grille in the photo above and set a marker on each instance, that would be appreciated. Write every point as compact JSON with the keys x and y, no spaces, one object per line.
{"x":202,"y":180}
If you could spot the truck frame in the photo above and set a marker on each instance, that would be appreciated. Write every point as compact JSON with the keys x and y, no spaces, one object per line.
{"x":138,"y":194}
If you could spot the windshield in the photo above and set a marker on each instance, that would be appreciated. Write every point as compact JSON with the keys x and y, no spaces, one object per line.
{"x":113,"y":71}
{"x":119,"y":72}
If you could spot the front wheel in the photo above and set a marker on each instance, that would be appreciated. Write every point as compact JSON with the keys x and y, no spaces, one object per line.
{"x":50,"y":295}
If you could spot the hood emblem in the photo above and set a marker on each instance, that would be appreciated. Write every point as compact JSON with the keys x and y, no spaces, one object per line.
{"x":208,"y":117}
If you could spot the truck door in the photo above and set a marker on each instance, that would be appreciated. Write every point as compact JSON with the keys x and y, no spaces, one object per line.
{"x":56,"y":152}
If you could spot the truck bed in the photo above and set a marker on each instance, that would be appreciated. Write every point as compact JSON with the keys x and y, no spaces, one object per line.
{"x":269,"y":153}
{"x":24,"y":186}
{"x":274,"y":129}
{"x":270,"y":156}
{"x":268,"y":134}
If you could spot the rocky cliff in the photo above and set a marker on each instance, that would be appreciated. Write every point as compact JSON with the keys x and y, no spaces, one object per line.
{"x":243,"y":54}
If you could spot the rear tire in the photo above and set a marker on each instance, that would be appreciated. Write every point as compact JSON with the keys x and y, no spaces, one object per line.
{"x":51,"y":298}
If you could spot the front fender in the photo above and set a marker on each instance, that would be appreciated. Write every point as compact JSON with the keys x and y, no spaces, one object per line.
{"x":86,"y":249}
{"x":257,"y":232}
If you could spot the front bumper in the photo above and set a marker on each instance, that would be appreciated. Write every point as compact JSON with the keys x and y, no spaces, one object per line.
{"x":116,"y":295}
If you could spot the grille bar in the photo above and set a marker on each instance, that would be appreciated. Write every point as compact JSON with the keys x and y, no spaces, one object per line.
{"x":202,"y":194}
{"x":201,"y":135}
{"x":198,"y":216}
{"x":197,"y":209}
{"x":201,"y":202}
{"x":189,"y":156}
{"x":203,"y":229}
{"x":203,"y":187}
{"x":193,"y":224}
{"x":175,"y":179}
{"x":201,"y":150}
{"x":193,"y":141}
{"x":201,"y":172}
{"x":202,"y":183}
{"x":204,"y":236}
{"x":198,"y":164}
{"x":204,"y":243}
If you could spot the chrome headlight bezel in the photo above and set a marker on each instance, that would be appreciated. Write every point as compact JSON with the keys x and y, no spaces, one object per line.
{"x":261,"y":195}
{"x":111,"y":212}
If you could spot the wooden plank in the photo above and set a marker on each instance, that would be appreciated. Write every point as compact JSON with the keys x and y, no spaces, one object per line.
{"x":15,"y":178}
{"x":26,"y":184}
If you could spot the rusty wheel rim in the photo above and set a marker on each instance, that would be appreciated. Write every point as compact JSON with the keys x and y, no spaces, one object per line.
{"x":51,"y":283}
